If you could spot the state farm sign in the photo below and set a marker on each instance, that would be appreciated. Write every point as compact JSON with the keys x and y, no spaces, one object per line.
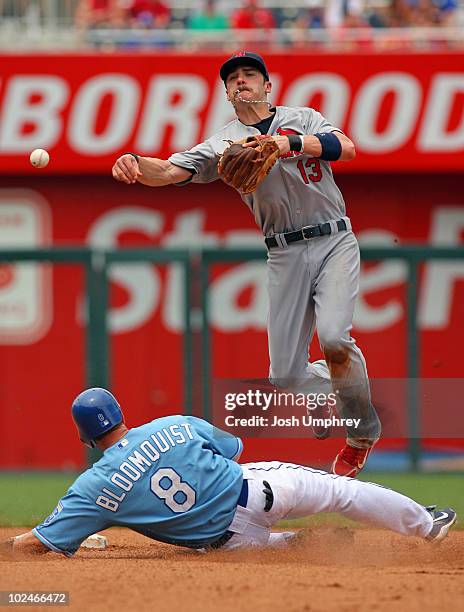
{"x":404,"y":113}
{"x":146,"y":294}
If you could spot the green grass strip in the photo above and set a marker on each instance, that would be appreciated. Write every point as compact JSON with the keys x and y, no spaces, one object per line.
{"x":27,"y":498}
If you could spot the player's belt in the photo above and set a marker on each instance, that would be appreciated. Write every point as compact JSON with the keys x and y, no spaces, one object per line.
{"x":242,"y":501}
{"x":243,"y":497}
{"x":305,"y":233}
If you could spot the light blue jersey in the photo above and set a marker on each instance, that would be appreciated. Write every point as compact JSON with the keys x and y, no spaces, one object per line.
{"x":173,"y":480}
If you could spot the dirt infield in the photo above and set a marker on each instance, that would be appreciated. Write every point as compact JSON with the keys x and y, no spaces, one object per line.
{"x":329,"y":571}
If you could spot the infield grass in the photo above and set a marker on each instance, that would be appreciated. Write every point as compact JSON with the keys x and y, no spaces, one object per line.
{"x":27,"y":498}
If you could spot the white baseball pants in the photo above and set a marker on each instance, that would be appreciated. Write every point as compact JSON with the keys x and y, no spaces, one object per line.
{"x":301,"y":491}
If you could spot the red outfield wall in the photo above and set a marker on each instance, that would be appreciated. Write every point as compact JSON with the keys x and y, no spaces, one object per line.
{"x":41,"y":331}
{"x":406,"y":116}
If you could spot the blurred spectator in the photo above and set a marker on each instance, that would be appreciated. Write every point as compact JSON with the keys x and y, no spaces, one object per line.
{"x":316,"y":17}
{"x":97,"y":14}
{"x":251,"y":15}
{"x":146,"y":13}
{"x":400,"y":14}
{"x":344,"y":12}
{"x":446,"y":12}
{"x":13,"y":8}
{"x":210,"y":18}
{"x":423,"y":13}
{"x":390,"y":13}
{"x":379,"y":16}
{"x":413,"y":13}
{"x":312,"y":17}
{"x":344,"y":15}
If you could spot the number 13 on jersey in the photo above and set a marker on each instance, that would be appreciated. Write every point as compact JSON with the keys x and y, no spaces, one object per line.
{"x":310,"y":170}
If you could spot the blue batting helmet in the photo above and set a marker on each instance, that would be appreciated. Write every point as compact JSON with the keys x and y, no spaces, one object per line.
{"x":95,"y":411}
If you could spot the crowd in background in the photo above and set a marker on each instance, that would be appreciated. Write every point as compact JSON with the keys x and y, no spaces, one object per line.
{"x":210,"y":15}
{"x":222,"y":23}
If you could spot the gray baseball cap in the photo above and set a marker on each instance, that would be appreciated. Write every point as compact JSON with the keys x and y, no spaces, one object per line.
{"x":243,"y":58}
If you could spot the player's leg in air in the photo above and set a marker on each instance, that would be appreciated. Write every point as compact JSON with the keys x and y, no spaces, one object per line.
{"x":291,"y":326}
{"x":301,"y":297}
{"x":336,"y":290}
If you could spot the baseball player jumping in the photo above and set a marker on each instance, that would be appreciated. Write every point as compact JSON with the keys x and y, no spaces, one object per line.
{"x":177,"y":480}
{"x":313,"y":256}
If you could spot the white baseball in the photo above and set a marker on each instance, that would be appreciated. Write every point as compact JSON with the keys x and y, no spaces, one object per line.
{"x":39,"y":158}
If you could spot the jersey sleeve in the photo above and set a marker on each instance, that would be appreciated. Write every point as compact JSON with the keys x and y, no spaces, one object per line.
{"x":221,"y":442}
{"x":72,"y":521}
{"x":318,"y":124}
{"x":201,"y":161}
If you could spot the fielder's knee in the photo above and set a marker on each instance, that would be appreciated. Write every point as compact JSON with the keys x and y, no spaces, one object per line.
{"x":332,"y":342}
{"x":335,"y":351}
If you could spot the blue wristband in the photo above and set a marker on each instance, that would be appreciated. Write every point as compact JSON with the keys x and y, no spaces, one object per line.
{"x":331,"y":146}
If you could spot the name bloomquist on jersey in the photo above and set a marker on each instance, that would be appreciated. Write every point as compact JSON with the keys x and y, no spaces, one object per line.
{"x":134,"y":466}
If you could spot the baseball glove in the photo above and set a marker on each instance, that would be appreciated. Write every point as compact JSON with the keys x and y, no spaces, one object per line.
{"x":246,"y":167}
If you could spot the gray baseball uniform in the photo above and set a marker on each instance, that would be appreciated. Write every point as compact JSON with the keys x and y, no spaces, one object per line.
{"x":312,"y":281}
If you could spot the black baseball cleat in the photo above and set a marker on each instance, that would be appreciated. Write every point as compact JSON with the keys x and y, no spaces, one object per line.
{"x":443,"y":520}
